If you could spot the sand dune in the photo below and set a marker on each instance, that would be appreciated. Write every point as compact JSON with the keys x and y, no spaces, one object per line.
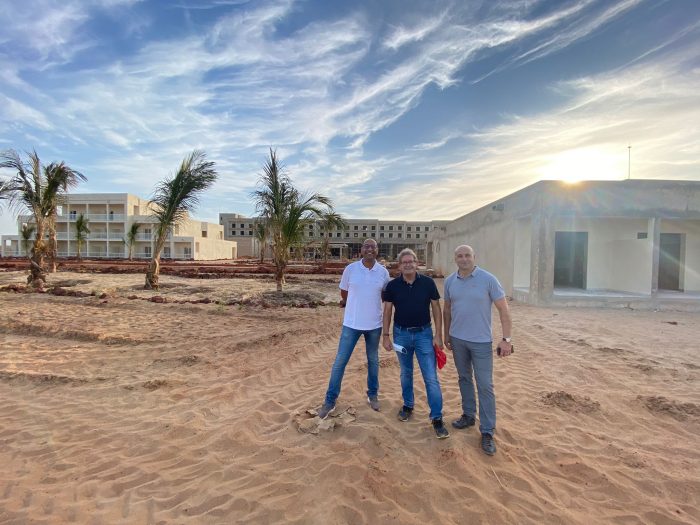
{"x":120,"y":410}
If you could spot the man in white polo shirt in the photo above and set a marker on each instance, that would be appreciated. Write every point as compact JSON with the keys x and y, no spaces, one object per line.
{"x":469,"y":294}
{"x":361,"y":294}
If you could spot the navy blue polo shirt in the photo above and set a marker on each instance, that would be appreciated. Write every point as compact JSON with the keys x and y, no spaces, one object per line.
{"x":411,"y":301}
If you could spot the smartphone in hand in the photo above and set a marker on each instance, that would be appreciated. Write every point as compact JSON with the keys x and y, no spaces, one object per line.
{"x":512,"y":349}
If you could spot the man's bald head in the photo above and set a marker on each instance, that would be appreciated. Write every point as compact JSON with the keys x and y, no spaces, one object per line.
{"x":464,"y":248}
{"x":464,"y":257}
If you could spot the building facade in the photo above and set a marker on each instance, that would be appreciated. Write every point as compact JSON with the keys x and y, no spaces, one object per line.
{"x":391,"y":236}
{"x":631,"y":242}
{"x":111,"y":216}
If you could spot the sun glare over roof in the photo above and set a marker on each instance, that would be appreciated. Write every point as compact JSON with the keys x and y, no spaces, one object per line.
{"x":575,"y":165}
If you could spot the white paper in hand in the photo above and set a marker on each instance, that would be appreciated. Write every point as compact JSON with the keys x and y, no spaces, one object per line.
{"x":399,"y":349}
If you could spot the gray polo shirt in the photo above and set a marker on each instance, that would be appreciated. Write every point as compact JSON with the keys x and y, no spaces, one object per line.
{"x":470,"y":301}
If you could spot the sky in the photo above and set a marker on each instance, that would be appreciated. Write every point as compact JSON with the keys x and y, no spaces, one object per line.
{"x":396,"y":109}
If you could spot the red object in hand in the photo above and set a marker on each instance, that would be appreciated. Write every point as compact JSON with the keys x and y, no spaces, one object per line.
{"x":440,"y":357}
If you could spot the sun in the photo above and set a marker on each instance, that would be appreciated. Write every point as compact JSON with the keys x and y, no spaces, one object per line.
{"x":575,"y":165}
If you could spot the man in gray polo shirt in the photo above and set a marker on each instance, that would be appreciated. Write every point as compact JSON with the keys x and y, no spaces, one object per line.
{"x":469,"y":293}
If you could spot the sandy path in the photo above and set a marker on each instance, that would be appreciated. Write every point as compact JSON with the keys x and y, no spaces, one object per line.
{"x":119,"y":411}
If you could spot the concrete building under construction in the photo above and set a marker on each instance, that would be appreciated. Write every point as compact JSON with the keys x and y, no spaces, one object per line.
{"x":631,"y":242}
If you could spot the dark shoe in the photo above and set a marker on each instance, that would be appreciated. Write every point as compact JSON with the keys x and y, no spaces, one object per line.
{"x":373,"y":403}
{"x":405,"y":413}
{"x":440,"y":430}
{"x":464,"y":422}
{"x":488,"y":445}
{"x":325,"y":410}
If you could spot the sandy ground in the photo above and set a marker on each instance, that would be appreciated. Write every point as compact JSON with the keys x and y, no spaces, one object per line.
{"x":120,"y":410}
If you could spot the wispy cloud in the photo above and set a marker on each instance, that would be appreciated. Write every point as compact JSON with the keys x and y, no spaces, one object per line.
{"x":12,"y":110}
{"x":402,"y":35}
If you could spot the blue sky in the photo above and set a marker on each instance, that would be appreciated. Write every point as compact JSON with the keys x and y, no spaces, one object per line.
{"x":395,"y":109}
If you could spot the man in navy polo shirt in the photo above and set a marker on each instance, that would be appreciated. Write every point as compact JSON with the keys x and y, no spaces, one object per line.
{"x":469,"y":293}
{"x":361,"y":289}
{"x":413,"y":296}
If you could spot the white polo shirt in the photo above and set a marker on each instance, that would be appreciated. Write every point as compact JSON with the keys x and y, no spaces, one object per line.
{"x":363,"y":309}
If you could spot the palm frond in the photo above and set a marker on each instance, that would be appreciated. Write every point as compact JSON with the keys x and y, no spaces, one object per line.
{"x":261,"y":230}
{"x":5,"y":190}
{"x":82,"y":226}
{"x":175,"y":198}
{"x":59,"y":179}
{"x":332,"y":220}
{"x":274,"y":189}
{"x":22,"y":185}
{"x":132,"y":233}
{"x":39,"y":188}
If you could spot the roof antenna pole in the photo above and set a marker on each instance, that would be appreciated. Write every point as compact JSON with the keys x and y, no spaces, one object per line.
{"x":629,"y":161}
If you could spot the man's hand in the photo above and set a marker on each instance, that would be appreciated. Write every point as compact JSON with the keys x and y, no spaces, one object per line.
{"x":448,"y":345}
{"x":505,"y":349}
{"x":341,"y":303}
{"x":386,"y":343}
{"x":437,"y":341}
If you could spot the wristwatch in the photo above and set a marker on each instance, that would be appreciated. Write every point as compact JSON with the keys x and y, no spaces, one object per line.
{"x":507,"y":339}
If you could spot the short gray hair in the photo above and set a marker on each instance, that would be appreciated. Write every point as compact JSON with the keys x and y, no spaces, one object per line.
{"x":408,"y":251}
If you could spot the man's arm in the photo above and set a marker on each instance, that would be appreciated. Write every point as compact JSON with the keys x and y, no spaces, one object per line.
{"x":447,"y":321}
{"x":343,"y":298}
{"x":506,"y":325}
{"x":386,"y":323}
{"x":437,"y":317}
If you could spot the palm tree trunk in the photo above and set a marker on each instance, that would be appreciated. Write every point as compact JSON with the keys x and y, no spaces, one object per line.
{"x":37,"y":273}
{"x":152,"y":274}
{"x":280,"y":255}
{"x":279,"y":276}
{"x":153,"y":271}
{"x":53,"y":249}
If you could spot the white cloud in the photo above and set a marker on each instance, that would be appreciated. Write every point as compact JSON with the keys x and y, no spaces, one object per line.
{"x":401,"y":35}
{"x":15,"y":112}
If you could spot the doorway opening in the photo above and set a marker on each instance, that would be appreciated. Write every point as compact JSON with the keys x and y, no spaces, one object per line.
{"x":570,"y":259}
{"x":670,"y":261}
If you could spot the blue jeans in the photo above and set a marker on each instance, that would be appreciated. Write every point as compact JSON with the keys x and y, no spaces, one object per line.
{"x":421,"y":344}
{"x":346,"y":345}
{"x":478,"y":357}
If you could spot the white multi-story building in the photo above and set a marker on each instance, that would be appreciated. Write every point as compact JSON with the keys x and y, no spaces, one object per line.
{"x":111,"y":216}
{"x":391,"y":236}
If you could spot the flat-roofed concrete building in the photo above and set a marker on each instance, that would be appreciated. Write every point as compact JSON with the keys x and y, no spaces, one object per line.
{"x":110,"y":216}
{"x":628,"y":243}
{"x":391,"y":236}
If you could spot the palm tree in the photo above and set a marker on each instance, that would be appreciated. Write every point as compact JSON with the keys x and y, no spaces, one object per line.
{"x":40,"y":189}
{"x":130,"y":239}
{"x":173,"y":199}
{"x":286,"y":211}
{"x":82,"y":229}
{"x":329,"y":221}
{"x":26,"y":233}
{"x":261,"y":233}
{"x":59,"y":179}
